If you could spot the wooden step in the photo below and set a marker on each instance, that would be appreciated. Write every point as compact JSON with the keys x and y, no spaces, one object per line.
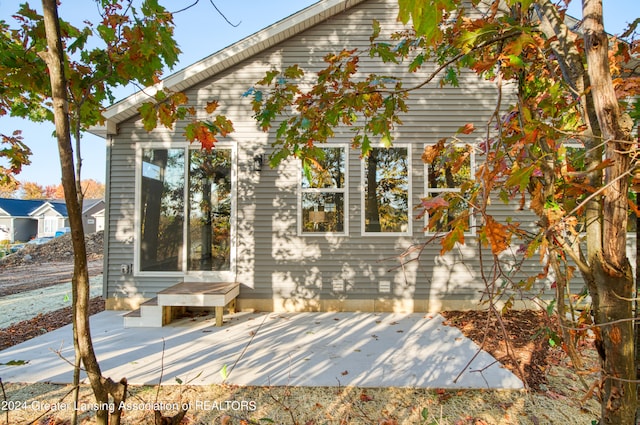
{"x":159,"y":311}
{"x":199,"y":294}
{"x":150,"y":314}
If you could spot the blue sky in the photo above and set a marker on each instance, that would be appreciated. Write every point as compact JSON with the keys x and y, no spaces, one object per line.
{"x":200,"y":31}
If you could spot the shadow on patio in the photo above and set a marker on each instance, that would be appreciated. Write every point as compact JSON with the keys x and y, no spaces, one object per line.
{"x":298,"y":349}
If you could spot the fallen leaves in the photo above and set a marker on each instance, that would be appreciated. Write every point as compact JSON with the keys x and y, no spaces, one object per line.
{"x":42,"y":323}
{"x":364,"y":397}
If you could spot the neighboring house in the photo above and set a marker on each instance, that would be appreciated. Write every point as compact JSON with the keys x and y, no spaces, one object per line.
{"x":51,"y":216}
{"x":16,"y":221}
{"x":176,"y":213}
{"x":93,"y":215}
{"x":25,"y":219}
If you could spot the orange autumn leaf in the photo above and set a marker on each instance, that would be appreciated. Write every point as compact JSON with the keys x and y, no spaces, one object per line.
{"x":206,"y":137}
{"x":467,"y":129}
{"x":431,"y":152}
{"x":497,"y":235}
{"x":211,"y":107}
{"x":365,"y":397}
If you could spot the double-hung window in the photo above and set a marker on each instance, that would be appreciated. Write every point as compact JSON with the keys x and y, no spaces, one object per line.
{"x":386,"y":201}
{"x":445,"y":175}
{"x":323,"y":192}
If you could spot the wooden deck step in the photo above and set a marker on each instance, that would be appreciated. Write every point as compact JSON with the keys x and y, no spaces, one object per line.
{"x":199,"y":294}
{"x":157,"y":312}
{"x":150,"y":314}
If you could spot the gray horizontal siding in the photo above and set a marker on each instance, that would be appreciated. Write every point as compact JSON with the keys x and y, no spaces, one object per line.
{"x":273,"y":261}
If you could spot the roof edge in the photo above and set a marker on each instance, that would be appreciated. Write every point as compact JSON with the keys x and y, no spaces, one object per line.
{"x":197,"y":72}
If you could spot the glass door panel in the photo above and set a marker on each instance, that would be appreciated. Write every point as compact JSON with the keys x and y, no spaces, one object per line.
{"x":209,"y":225}
{"x":162,"y":210}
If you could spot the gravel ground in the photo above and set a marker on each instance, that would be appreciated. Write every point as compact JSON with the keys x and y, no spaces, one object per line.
{"x":26,"y":305}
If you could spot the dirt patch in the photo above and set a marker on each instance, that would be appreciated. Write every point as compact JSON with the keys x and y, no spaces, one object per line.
{"x":39,"y":266}
{"x":59,"y":249}
{"x":518,"y":340}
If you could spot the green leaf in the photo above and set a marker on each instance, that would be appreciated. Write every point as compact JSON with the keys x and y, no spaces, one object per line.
{"x":149,"y":117}
{"x":520,"y":177}
{"x":516,"y":61}
{"x":366,"y":145}
{"x":456,"y":235}
{"x":224,"y":372}
{"x":376,"y":30}
{"x":551,"y":307}
{"x":417,"y":62}
{"x":15,"y":363}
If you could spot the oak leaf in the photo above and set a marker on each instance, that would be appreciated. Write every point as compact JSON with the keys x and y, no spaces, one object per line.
{"x":497,"y":235}
{"x":466,"y":129}
{"x":431,"y":152}
{"x":433,"y":203}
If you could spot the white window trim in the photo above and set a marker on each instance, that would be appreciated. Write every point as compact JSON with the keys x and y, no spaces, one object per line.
{"x":344,"y":190}
{"x":427,"y":190}
{"x":363,"y":187}
{"x":184,"y":273}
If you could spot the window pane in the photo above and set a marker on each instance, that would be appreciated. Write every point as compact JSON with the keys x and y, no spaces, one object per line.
{"x":162,"y":209}
{"x":50,"y":225}
{"x":209,"y":210}
{"x":450,"y":168}
{"x":387,"y":190}
{"x":326,"y":172}
{"x":322,"y":212}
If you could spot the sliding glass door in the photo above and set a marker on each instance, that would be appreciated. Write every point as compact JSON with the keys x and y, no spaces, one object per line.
{"x":186,"y":209}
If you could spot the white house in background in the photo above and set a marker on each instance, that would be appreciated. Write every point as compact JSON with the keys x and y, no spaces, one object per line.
{"x":93,"y":215}
{"x":51,"y":216}
{"x":25,"y":219}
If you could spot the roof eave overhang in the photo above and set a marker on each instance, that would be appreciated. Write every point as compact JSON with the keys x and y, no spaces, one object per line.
{"x":224,"y":59}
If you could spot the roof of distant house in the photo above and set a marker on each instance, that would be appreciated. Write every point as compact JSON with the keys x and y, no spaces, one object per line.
{"x":28,"y":207}
{"x":19,"y":207}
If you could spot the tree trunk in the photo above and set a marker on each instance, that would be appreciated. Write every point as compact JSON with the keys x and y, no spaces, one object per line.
{"x":54,"y":58}
{"x":612,"y":288}
{"x":614,"y":342}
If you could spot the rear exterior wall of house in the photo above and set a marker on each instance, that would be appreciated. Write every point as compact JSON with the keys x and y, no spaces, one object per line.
{"x":281,"y":265}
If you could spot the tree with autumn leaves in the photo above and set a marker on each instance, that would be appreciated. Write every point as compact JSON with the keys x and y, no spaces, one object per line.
{"x":569,"y":85}
{"x":51,"y":70}
{"x":91,"y":189}
{"x":560,"y":87}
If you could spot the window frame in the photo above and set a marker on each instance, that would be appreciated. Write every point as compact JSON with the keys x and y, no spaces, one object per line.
{"x":363,"y":188}
{"x":184,"y":272}
{"x":50,"y":223}
{"x":428,"y":190}
{"x":344,"y":191}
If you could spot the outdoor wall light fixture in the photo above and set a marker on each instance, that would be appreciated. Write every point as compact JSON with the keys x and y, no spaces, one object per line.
{"x":257,"y":163}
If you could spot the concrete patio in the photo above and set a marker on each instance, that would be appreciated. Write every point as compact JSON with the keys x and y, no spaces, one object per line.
{"x":298,"y":349}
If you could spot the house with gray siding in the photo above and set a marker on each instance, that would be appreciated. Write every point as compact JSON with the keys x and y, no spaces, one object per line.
{"x":16,"y":222}
{"x":328,"y":240}
{"x":24,"y":219}
{"x":93,"y":215}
